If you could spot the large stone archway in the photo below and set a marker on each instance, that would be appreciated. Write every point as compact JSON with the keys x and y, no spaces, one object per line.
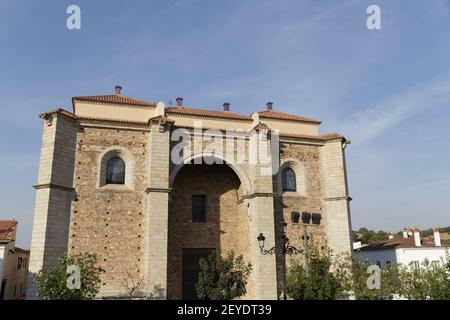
{"x":238,"y":169}
{"x":226,"y":227}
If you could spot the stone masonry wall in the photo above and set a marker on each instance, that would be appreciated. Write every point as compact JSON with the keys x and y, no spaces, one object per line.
{"x":226,"y":228}
{"x":54,"y":196}
{"x":336,"y":200}
{"x":109,"y":220}
{"x":309,"y":157}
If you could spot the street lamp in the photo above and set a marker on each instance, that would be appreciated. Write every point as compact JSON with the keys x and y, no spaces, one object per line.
{"x":287,"y":249}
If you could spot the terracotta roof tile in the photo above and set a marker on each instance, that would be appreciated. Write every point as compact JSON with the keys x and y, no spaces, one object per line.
{"x":114,"y":99}
{"x":302,"y":136}
{"x":397,"y":242}
{"x":7,"y":227}
{"x":207,"y":113}
{"x":285,"y":116}
{"x":333,"y":136}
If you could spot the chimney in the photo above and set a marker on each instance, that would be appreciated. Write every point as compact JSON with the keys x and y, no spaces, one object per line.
{"x":226,"y":107}
{"x":417,"y":241}
{"x":269,"y":106}
{"x":437,"y":237}
{"x":118,"y":90}
{"x":405,"y":233}
{"x":180,"y":102}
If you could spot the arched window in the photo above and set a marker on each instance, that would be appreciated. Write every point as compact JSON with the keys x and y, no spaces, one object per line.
{"x":288,"y":180}
{"x":115,"y":171}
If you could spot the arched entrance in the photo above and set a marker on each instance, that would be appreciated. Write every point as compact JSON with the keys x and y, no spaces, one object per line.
{"x":207,"y":212}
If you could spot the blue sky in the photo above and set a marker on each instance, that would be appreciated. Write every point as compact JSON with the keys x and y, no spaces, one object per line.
{"x":388,"y":90}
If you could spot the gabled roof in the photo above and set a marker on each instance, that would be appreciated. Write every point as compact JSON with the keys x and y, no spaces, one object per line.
{"x":114,"y":99}
{"x":286,"y":116}
{"x":7,"y":228}
{"x":207,"y":113}
{"x":397,"y":242}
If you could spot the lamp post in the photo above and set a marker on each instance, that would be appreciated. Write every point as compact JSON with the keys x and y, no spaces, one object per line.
{"x":287,"y":249}
{"x":305,"y":239}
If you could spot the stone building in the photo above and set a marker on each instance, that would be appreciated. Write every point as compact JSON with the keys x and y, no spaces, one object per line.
{"x":108,"y":184}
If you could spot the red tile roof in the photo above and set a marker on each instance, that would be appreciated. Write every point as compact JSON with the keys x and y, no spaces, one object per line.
{"x":7,"y":228}
{"x":322,"y":138}
{"x":114,"y":99}
{"x":332,"y":136}
{"x":207,"y":113}
{"x":286,"y":116}
{"x":397,"y":242}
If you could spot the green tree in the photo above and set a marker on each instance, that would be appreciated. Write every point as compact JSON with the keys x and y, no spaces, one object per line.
{"x":429,"y":282}
{"x":222,"y":278}
{"x":369,"y":236}
{"x":318,"y":282}
{"x":354,"y":275}
{"x":52,"y":281}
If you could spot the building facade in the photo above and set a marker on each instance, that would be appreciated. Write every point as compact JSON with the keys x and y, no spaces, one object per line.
{"x":13,"y":263}
{"x":115,"y":180}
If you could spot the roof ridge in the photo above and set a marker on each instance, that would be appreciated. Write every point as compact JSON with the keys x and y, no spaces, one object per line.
{"x":208,"y":113}
{"x":115,"y":99}
{"x":271,"y":114}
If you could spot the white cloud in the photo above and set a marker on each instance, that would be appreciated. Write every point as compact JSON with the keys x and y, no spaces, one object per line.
{"x":376,"y":120}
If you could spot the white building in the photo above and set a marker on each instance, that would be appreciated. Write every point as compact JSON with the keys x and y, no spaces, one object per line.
{"x":407,"y":249}
{"x":13,"y":263}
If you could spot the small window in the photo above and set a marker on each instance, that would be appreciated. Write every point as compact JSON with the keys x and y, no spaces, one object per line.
{"x":306,"y":217}
{"x":316,"y":218}
{"x":199,"y":209}
{"x":115,"y":171}
{"x":289,"y":181}
{"x":295,"y":217}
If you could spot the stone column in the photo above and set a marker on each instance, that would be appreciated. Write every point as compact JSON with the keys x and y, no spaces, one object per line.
{"x":157,"y":210}
{"x":336,"y":200}
{"x":262,"y":220}
{"x":54,"y":195}
{"x":264,"y":273}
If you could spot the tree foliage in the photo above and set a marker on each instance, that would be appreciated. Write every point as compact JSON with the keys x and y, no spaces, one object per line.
{"x":222,"y":278}
{"x":429,"y":282}
{"x":353,"y":275}
{"x":52,"y":281}
{"x":317,"y":282}
{"x":344,"y":276}
{"x":369,"y":236}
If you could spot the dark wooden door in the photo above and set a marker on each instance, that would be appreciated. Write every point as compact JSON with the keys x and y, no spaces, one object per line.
{"x":2,"y":290}
{"x":191,"y":268}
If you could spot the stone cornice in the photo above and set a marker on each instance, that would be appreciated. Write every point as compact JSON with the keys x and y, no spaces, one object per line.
{"x":347,"y":198}
{"x":260,"y":194}
{"x":52,"y":186}
{"x":160,"y":190}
